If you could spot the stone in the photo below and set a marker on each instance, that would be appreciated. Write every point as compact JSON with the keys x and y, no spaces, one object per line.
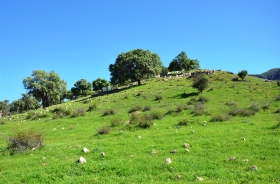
{"x":82,"y":160}
{"x":85,"y":150}
{"x":168,"y":161}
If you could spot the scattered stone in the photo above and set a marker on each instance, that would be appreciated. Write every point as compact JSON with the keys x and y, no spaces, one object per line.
{"x":255,"y":168}
{"x":103,"y":154}
{"x":173,"y":151}
{"x":243,"y":138}
{"x":168,"y":161}
{"x":85,"y":150}
{"x":232,"y":159}
{"x":187,"y":150}
{"x":192,"y":131}
{"x":186,"y":145}
{"x":154,"y":152}
{"x":139,"y":137}
{"x":245,"y":160}
{"x":199,"y":178}
{"x":82,"y":160}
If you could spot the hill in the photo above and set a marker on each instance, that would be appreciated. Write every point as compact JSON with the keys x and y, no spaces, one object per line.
{"x":227,"y":134}
{"x":273,"y":74}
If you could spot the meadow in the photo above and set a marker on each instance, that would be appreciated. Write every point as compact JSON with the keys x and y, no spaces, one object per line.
{"x":229,"y":133}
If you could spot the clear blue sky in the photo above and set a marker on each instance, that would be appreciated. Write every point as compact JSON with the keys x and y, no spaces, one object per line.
{"x":79,"y":39}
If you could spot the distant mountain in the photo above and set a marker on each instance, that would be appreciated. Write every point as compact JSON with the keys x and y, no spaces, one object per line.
{"x":273,"y":74}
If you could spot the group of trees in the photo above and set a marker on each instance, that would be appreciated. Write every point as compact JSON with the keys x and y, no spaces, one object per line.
{"x":133,"y":66}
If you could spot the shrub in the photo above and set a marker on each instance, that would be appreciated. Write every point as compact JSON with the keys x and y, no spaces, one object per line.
{"x":192,"y":101}
{"x":201,"y":82}
{"x":231,"y":104}
{"x":276,"y":126}
{"x":156,"y":115}
{"x":221,"y":117}
{"x":103,"y":130}
{"x":109,"y":112}
{"x":202,"y":99}
{"x":2,"y":122}
{"x":277,"y":97}
{"x":145,"y":121}
{"x":25,"y":139}
{"x":135,"y":108}
{"x":277,"y":111}
{"x":234,"y":111}
{"x":198,"y":109}
{"x":79,"y":112}
{"x":158,"y":97}
{"x":91,"y":107}
{"x":180,"y":108}
{"x":266,"y":106}
{"x":183,"y":122}
{"x":116,"y":122}
{"x":146,"y":108}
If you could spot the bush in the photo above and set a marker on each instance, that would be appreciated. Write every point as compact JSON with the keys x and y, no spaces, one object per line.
{"x":25,"y":140}
{"x":231,"y":104}
{"x":192,"y":101}
{"x":198,"y":109}
{"x":158,"y":97}
{"x":277,"y":111}
{"x":202,"y":99}
{"x":277,"y":98}
{"x":234,"y":111}
{"x":183,"y":122}
{"x":146,"y":108}
{"x":79,"y":112}
{"x":109,"y":112}
{"x":265,"y":106}
{"x":156,"y":115}
{"x":221,"y":117}
{"x":135,"y":108}
{"x":116,"y":122}
{"x":141,"y":120}
{"x":91,"y":107}
{"x":2,"y":122}
{"x":103,"y":130}
{"x":201,"y":82}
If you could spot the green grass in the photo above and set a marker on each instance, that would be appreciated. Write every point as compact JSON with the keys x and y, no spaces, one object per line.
{"x":135,"y":154}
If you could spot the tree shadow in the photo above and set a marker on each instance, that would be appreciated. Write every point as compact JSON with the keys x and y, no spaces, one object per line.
{"x":186,"y":95}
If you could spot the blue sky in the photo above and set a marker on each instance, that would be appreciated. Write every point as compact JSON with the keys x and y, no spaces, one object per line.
{"x":80,"y":39}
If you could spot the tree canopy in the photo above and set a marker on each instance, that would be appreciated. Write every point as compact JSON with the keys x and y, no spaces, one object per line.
{"x":26,"y":102}
{"x":135,"y":65}
{"x":182,"y":62}
{"x":47,"y":88}
{"x":99,"y":83}
{"x":82,"y":87}
{"x":242,"y":74}
{"x":201,"y":82}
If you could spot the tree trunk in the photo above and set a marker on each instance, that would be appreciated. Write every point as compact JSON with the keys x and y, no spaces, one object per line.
{"x":139,"y":82}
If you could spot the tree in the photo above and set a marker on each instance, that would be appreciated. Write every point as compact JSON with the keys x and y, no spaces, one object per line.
{"x":47,"y":88}
{"x":4,"y":107}
{"x":201,"y":82}
{"x":135,"y":65}
{"x":82,"y":87}
{"x":182,"y":62}
{"x":242,"y":74}
{"x":99,"y":83}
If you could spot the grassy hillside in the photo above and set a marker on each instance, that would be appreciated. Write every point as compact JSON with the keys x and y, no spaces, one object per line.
{"x":231,"y":132}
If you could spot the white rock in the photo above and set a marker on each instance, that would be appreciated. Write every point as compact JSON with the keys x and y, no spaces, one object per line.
{"x":82,"y":160}
{"x":139,"y":136}
{"x":186,"y":145}
{"x":199,"y":178}
{"x":187,"y":150}
{"x":85,"y":150}
{"x":168,"y":161}
{"x":255,"y":168}
{"x":103,"y":154}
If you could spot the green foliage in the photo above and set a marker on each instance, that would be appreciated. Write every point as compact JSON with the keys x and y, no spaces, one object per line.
{"x":45,"y":87}
{"x":4,"y":107}
{"x":135,"y":65}
{"x":199,"y":109}
{"x":2,"y":122}
{"x":117,"y":121}
{"x":201,"y":82}
{"x":220,"y":117}
{"x":182,"y":62}
{"x":26,"y":102}
{"x":99,"y":83}
{"x":277,"y":98}
{"x":183,"y":122}
{"x":109,"y":112}
{"x":81,"y":88}
{"x":135,"y":108}
{"x":79,"y":112}
{"x":156,"y":114}
{"x":36,"y":115}
{"x":104,"y":130}
{"x":25,"y":140}
{"x":92,"y":107}
{"x":242,"y":74}
{"x":147,"y":108}
{"x":159,"y":97}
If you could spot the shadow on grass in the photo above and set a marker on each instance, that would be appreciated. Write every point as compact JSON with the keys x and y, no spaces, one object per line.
{"x":186,"y":95}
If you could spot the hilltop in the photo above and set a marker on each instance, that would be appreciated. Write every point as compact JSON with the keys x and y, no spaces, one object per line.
{"x":227,"y":134}
{"x":273,"y":74}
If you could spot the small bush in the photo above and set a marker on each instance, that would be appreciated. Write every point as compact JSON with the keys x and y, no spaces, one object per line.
{"x":277,"y":97}
{"x":192,"y":101}
{"x":180,"y":108}
{"x":25,"y":140}
{"x":221,"y":117}
{"x":79,"y":112}
{"x":145,"y":121}
{"x":116,"y":122}
{"x":147,"y":108}
{"x":276,"y":126}
{"x":91,"y":107}
{"x":183,"y":122}
{"x":86,"y":101}
{"x":231,"y":104}
{"x":202,"y":99}
{"x":198,"y":109}
{"x":135,"y":108}
{"x":265,"y":106}
{"x":103,"y":130}
{"x":277,"y":111}
{"x":2,"y":122}
{"x":109,"y":112}
{"x":234,"y":111}
{"x":156,"y":115}
{"x":158,"y":97}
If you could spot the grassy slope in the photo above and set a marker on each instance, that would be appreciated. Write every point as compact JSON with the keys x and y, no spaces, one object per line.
{"x":129,"y":159}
